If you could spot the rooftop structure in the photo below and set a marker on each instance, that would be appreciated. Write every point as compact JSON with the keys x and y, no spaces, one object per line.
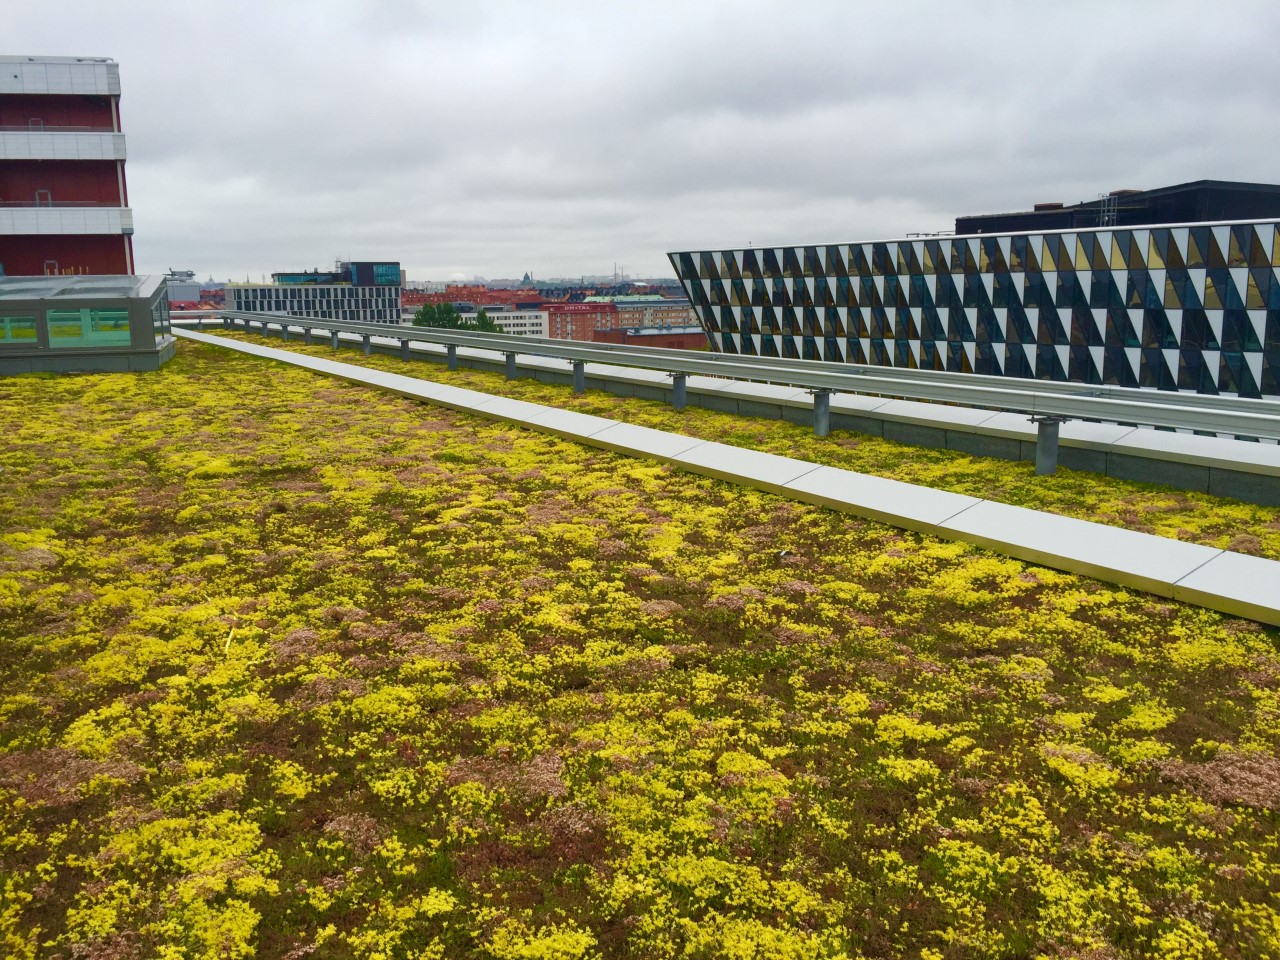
{"x":64,"y":206}
{"x":84,"y":323}
{"x":1195,"y":202}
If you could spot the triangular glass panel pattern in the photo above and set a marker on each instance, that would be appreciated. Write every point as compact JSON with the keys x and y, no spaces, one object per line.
{"x":1191,"y":308}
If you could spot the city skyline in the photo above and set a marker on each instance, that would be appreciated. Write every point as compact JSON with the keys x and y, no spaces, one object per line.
{"x":567,"y":139}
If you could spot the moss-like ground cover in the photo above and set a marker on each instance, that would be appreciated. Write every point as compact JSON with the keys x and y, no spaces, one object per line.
{"x":290,"y":668}
{"x":1178,"y":514}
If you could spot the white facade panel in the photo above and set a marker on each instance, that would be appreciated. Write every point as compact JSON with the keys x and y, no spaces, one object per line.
{"x":54,"y":221}
{"x":93,"y":76}
{"x":47,"y":145}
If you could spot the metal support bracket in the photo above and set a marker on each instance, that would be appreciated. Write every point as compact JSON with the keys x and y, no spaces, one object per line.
{"x":821,"y":412}
{"x":679,"y":390}
{"x":511,"y":365}
{"x":284,"y":331}
{"x":404,"y":349}
{"x":366,"y":344}
{"x":579,"y":376}
{"x":451,"y":352}
{"x":333,"y":339}
{"x":306,"y":336}
{"x":1047,"y":443}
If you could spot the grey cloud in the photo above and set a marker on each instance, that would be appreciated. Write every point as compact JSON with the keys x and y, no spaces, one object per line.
{"x":563,"y":137}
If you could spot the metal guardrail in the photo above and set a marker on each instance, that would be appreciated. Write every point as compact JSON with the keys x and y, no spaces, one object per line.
{"x":1047,"y":404}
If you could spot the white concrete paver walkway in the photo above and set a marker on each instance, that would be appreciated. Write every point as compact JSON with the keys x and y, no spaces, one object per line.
{"x":1233,"y":583}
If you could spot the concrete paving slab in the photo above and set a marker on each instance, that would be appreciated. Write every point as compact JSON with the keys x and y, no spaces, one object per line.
{"x":1221,"y":452}
{"x":768,"y":393}
{"x":878,"y":498}
{"x":642,"y":441}
{"x":752,"y":468}
{"x":1093,"y":436}
{"x":933,"y":414}
{"x":856,"y":403}
{"x":1235,"y":583}
{"x":1120,"y":556}
{"x":569,"y":423}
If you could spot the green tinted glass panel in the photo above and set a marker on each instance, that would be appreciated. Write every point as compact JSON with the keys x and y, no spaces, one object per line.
{"x":88,"y":328}
{"x":18,"y":330}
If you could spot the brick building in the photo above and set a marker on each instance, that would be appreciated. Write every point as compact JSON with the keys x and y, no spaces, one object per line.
{"x":64,"y":208}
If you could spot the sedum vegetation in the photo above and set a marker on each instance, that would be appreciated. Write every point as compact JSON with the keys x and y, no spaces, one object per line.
{"x":291,"y":668}
{"x":1149,"y":508}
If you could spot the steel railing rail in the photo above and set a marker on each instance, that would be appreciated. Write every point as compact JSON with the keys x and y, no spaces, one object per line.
{"x":1046,"y":403}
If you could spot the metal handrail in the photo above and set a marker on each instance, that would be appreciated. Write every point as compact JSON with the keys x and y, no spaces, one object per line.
{"x":1237,"y":416}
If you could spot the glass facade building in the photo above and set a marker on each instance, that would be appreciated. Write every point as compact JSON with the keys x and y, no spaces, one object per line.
{"x":1192,"y":307}
{"x":86,"y":323}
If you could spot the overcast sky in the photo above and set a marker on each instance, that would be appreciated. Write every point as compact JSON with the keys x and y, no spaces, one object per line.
{"x":562,"y":138}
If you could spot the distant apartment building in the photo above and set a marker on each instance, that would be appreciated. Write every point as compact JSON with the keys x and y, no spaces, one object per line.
{"x":578,"y":321}
{"x":358,"y":292}
{"x":64,"y":208}
{"x":518,"y":323}
{"x":641,"y":311}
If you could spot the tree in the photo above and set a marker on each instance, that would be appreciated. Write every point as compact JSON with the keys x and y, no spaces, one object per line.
{"x":442,"y":315}
{"x":483,"y":324}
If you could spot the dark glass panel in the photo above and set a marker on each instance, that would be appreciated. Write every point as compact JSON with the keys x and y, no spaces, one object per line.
{"x":768,"y":320}
{"x":1157,"y":245}
{"x":768,"y":346}
{"x":835,"y":263}
{"x":791,"y":264}
{"x":854,"y":352}
{"x":831,"y":350}
{"x":728,"y":322}
{"x":902,"y":354}
{"x":1238,"y":332}
{"x":1120,"y":332}
{"x":1015,"y":363}
{"x":729,"y":266}
{"x":812,"y":327}
{"x":1213,"y":299}
{"x":1195,"y":374}
{"x":812,"y":262}
{"x":709,"y":271}
{"x":1197,"y":245}
{"x":759,"y":293}
{"x":1156,"y":329}
{"x":880,"y":353}
{"x":748,"y":346}
{"x":727,"y":344}
{"x":931,"y":326}
{"x":1018,"y":327}
{"x":833,"y":326}
{"x":904,"y":325}
{"x":1084,"y":329}
{"x":1234,"y":375}
{"x":771,"y":267}
{"x":750,"y":266}
{"x":988,"y":327}
{"x":858,"y":265}
{"x":958,"y":327}
{"x":781,"y":298}
{"x":957,"y":362}
{"x":1049,"y":364}
{"x":858,"y":323}
{"x":789,"y":326}
{"x":880,"y":325}
{"x":749,"y":323}
{"x":1240,"y":246}
{"x":1115,"y":368}
{"x":789,"y":348}
{"x":1196,"y":332}
{"x":1080,"y":366}
{"x":1270,"y":385}
{"x":1154,"y":371}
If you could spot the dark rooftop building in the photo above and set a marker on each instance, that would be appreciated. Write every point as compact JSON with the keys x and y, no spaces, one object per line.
{"x":1195,"y":202}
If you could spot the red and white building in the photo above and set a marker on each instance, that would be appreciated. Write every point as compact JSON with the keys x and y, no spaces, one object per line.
{"x":64,"y":209}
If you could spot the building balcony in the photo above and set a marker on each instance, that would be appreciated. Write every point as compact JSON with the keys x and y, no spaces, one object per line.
{"x":62,"y":219}
{"x":60,"y":144}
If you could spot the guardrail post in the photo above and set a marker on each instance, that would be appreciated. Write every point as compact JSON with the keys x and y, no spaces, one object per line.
{"x":451,"y":353}
{"x":1047,"y":445}
{"x":365,"y":344}
{"x":333,"y":340}
{"x":511,"y":365}
{"x":821,"y":412}
{"x":284,"y":332}
{"x":404,"y":349}
{"x":679,"y":393}
{"x":579,"y":376}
